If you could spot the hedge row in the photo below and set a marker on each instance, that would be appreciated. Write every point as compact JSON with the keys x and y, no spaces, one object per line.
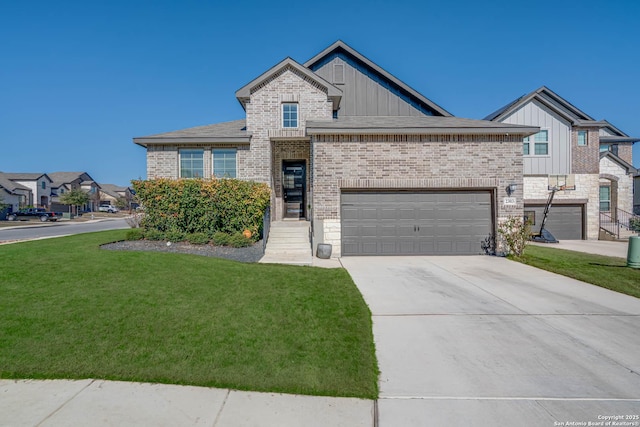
{"x":202,"y":205}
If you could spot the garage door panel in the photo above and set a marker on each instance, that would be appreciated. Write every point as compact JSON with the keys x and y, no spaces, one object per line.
{"x":565,"y":222}
{"x":428,"y":223}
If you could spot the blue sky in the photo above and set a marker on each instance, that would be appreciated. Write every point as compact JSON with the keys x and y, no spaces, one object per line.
{"x":80,"y":79}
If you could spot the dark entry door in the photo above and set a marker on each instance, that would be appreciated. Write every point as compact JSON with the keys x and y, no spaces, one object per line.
{"x":293,"y":188}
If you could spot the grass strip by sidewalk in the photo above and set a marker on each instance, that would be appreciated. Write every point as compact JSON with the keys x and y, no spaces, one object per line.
{"x":607,"y":272}
{"x":71,"y":310}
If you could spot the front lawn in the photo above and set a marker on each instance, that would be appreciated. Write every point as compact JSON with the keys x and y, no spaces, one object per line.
{"x":607,"y":272}
{"x":71,"y":310}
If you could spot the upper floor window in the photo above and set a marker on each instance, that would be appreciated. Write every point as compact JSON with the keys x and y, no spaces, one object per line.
{"x":541,"y":143}
{"x":191,"y":163}
{"x":289,"y":115}
{"x":224,"y":163}
{"x":609,"y":147}
{"x":44,"y":185}
{"x":582,"y":138}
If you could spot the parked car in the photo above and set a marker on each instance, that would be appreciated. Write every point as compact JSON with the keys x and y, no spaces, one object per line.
{"x":32,"y":213}
{"x":108,"y":208}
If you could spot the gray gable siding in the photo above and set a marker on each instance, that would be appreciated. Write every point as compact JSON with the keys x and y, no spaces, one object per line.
{"x":366,"y":92}
{"x":558,"y":162}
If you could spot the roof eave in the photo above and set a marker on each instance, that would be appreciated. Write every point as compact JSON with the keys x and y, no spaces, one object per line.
{"x":524,"y":131}
{"x":144,"y":141}
{"x":607,"y":139}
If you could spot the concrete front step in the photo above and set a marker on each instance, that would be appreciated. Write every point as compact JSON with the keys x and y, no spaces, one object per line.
{"x":288,"y":243}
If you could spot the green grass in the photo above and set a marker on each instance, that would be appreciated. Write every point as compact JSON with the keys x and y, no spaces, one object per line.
{"x":71,"y":310}
{"x":607,"y":272}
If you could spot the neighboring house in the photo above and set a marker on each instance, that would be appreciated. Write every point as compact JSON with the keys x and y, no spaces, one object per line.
{"x":568,"y":150}
{"x":13,"y":195}
{"x":110,"y":194}
{"x":374,"y":165}
{"x":616,"y":172}
{"x":66,"y":181}
{"x":38,"y":183}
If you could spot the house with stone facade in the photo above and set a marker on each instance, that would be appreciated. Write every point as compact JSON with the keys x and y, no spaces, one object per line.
{"x":590,"y":159}
{"x":372,"y":165}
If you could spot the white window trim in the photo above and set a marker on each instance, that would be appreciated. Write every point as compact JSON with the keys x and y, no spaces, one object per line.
{"x":297,"y":114}
{"x":213,"y":160}
{"x":180,"y":151}
{"x":532,"y":145}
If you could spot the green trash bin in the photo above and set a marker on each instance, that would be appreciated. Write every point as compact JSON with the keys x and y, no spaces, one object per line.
{"x":633,"y":253}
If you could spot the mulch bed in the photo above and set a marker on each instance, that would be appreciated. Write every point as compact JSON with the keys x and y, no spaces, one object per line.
{"x":248,"y":254}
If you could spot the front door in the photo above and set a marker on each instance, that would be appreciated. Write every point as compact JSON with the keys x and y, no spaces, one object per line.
{"x":293,"y":188}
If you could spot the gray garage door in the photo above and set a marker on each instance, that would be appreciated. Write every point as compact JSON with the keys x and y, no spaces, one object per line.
{"x":565,"y":222}
{"x":418,"y":223}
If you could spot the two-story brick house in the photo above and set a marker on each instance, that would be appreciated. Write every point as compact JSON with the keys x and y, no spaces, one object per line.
{"x":39,"y":185}
{"x":574,"y":150}
{"x":374,"y":165}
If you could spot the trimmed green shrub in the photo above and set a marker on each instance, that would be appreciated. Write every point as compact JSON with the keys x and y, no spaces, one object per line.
{"x":153,"y":234}
{"x":198,"y":238}
{"x":221,"y":239}
{"x":203,"y":206}
{"x":134,"y":234}
{"x":238,"y":240}
{"x":174,"y":235}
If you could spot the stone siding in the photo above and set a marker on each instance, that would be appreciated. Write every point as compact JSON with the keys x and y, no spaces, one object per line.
{"x":411,"y":162}
{"x":536,"y":189}
{"x":624,"y":197}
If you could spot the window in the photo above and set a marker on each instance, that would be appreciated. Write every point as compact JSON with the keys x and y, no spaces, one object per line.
{"x":525,"y":146}
{"x":530,"y":217}
{"x":224,"y":163}
{"x":582,"y":138}
{"x":290,"y":115}
{"x":191,"y":163}
{"x":605,"y":198}
{"x":541,"y":143}
{"x":44,"y":185}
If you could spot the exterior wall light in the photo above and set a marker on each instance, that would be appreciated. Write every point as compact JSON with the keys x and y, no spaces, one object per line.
{"x":510,"y":189}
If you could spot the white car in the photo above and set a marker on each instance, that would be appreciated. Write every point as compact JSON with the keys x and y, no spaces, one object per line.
{"x":108,"y":208}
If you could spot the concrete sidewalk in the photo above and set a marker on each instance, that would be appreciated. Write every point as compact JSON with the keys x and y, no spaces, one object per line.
{"x":112,"y":403}
{"x":597,"y":247}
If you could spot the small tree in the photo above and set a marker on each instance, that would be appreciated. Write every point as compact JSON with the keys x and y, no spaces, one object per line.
{"x":75,"y":197}
{"x":515,"y":235}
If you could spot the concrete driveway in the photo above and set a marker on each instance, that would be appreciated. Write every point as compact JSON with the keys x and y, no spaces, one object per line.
{"x":485,"y":341}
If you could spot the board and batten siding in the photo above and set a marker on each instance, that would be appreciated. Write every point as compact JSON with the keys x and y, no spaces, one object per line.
{"x":363,"y":95}
{"x":606,"y":132}
{"x":558,"y":162}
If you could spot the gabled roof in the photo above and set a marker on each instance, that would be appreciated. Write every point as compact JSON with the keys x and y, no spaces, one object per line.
{"x":11,"y":186}
{"x":619,"y":137}
{"x":62,"y":178}
{"x":244,"y":92}
{"x":420,"y":125}
{"x":340,"y":46}
{"x":628,"y":167}
{"x":113,"y":190}
{"x":553,"y":101}
{"x":26,"y":176}
{"x":226,"y":132}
